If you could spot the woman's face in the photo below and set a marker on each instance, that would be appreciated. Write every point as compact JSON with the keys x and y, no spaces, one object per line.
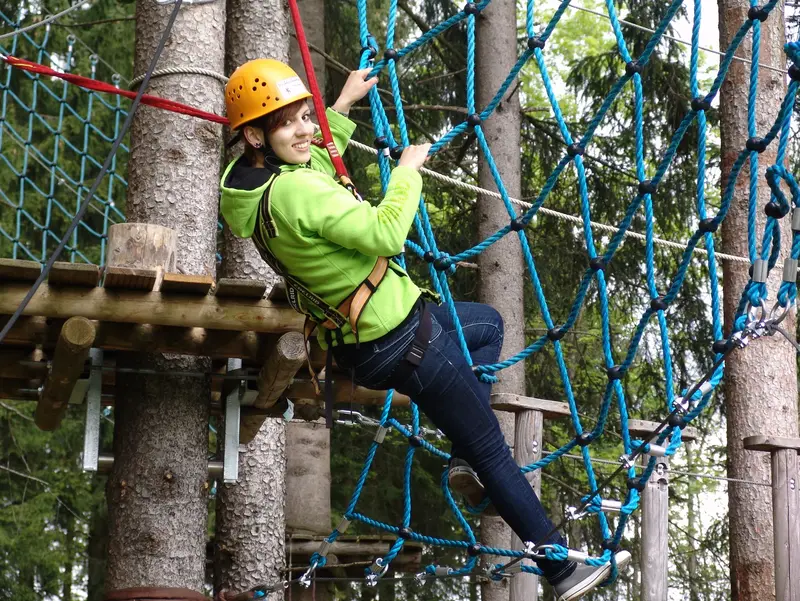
{"x":291,"y":141}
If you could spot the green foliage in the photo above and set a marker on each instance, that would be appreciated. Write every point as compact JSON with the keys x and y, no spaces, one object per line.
{"x":46,"y":501}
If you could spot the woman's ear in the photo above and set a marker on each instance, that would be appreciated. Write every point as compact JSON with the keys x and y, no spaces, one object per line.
{"x":254,"y":136}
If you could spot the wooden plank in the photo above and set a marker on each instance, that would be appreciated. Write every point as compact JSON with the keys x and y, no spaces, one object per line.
{"x":771,"y":443}
{"x":74,"y":274}
{"x":19,"y":270}
{"x":233,"y":288}
{"x":129,"y":278}
{"x":186,"y":284}
{"x":506,"y":401}
{"x":152,"y":308}
{"x":644,"y":429}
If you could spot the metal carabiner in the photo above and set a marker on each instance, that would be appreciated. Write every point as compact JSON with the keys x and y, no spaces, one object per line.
{"x":305,"y":579}
{"x":777,"y":317}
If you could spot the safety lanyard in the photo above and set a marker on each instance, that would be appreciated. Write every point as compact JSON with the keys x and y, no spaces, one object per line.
{"x":305,"y":52}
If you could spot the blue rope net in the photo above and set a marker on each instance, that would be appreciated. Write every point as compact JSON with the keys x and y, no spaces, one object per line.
{"x":51,"y":135}
{"x":442,"y":265}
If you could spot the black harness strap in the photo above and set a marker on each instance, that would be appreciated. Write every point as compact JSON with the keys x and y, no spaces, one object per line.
{"x":412,"y":359}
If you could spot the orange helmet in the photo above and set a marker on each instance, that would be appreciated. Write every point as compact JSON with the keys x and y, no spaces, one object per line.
{"x":259,"y":87}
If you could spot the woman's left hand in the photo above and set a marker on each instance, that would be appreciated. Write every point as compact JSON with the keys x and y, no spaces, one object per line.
{"x":354,"y":89}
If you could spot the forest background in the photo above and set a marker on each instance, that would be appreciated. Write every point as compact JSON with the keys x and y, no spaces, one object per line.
{"x":52,"y":515}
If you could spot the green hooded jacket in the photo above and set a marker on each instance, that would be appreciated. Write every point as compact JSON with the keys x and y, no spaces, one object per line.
{"x":323,"y":236}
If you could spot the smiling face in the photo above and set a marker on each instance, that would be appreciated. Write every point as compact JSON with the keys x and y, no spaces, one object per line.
{"x":290,"y":140}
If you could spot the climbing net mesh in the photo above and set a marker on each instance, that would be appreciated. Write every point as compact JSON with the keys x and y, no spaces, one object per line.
{"x":51,"y":136}
{"x":73,"y":126}
{"x":682,"y":407}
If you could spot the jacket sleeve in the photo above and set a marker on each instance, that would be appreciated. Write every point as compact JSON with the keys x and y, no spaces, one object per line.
{"x":331,"y":212}
{"x":342,"y":130}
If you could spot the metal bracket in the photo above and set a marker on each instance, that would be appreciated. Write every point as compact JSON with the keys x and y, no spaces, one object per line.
{"x":230,"y":456}
{"x":91,"y":427}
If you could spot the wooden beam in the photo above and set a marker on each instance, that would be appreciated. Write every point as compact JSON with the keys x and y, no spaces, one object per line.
{"x":72,"y":350}
{"x":218,"y":344}
{"x":282,"y":363}
{"x":286,"y":358}
{"x":506,"y":401}
{"x":771,"y":443}
{"x":130,"y":306}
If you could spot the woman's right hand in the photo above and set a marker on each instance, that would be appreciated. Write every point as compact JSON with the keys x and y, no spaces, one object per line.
{"x":414,"y":156}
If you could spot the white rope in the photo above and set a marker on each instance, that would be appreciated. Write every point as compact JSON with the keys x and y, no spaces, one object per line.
{"x":181,"y":71}
{"x":559,"y":215}
{"x":674,"y":39}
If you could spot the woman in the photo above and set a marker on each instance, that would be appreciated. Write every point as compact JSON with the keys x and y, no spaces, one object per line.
{"x":328,"y":245}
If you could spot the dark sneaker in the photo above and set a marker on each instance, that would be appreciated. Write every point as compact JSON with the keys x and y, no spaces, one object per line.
{"x":464,"y":481}
{"x":587,"y":578}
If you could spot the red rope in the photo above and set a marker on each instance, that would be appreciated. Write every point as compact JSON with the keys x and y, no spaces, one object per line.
{"x":302,"y":42}
{"x":100,"y":86}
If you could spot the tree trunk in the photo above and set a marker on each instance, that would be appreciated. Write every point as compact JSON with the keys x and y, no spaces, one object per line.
{"x":760,"y":380}
{"x":158,"y":487}
{"x":250,"y":534}
{"x":97,"y":550}
{"x":253,"y":30}
{"x":313,"y":14}
{"x":501,"y":265}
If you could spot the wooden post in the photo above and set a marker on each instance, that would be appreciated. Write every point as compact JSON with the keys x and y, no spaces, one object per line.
{"x":72,"y":349}
{"x":785,"y":510}
{"x":279,"y":369}
{"x":308,"y":491}
{"x":655,"y":517}
{"x":136,"y":245}
{"x":655,"y":543}
{"x":528,"y":431}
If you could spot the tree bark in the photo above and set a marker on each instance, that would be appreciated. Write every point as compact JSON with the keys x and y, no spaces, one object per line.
{"x":760,"y":380}
{"x":96,"y":551}
{"x":158,"y":487}
{"x":313,"y":14}
{"x":250,"y":534}
{"x":254,"y":30}
{"x":501,"y":265}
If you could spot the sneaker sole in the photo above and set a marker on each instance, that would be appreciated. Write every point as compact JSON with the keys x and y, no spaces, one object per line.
{"x":462,"y":481}
{"x":580,"y":589}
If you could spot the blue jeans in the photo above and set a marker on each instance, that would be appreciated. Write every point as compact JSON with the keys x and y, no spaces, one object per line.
{"x":457,"y":402}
